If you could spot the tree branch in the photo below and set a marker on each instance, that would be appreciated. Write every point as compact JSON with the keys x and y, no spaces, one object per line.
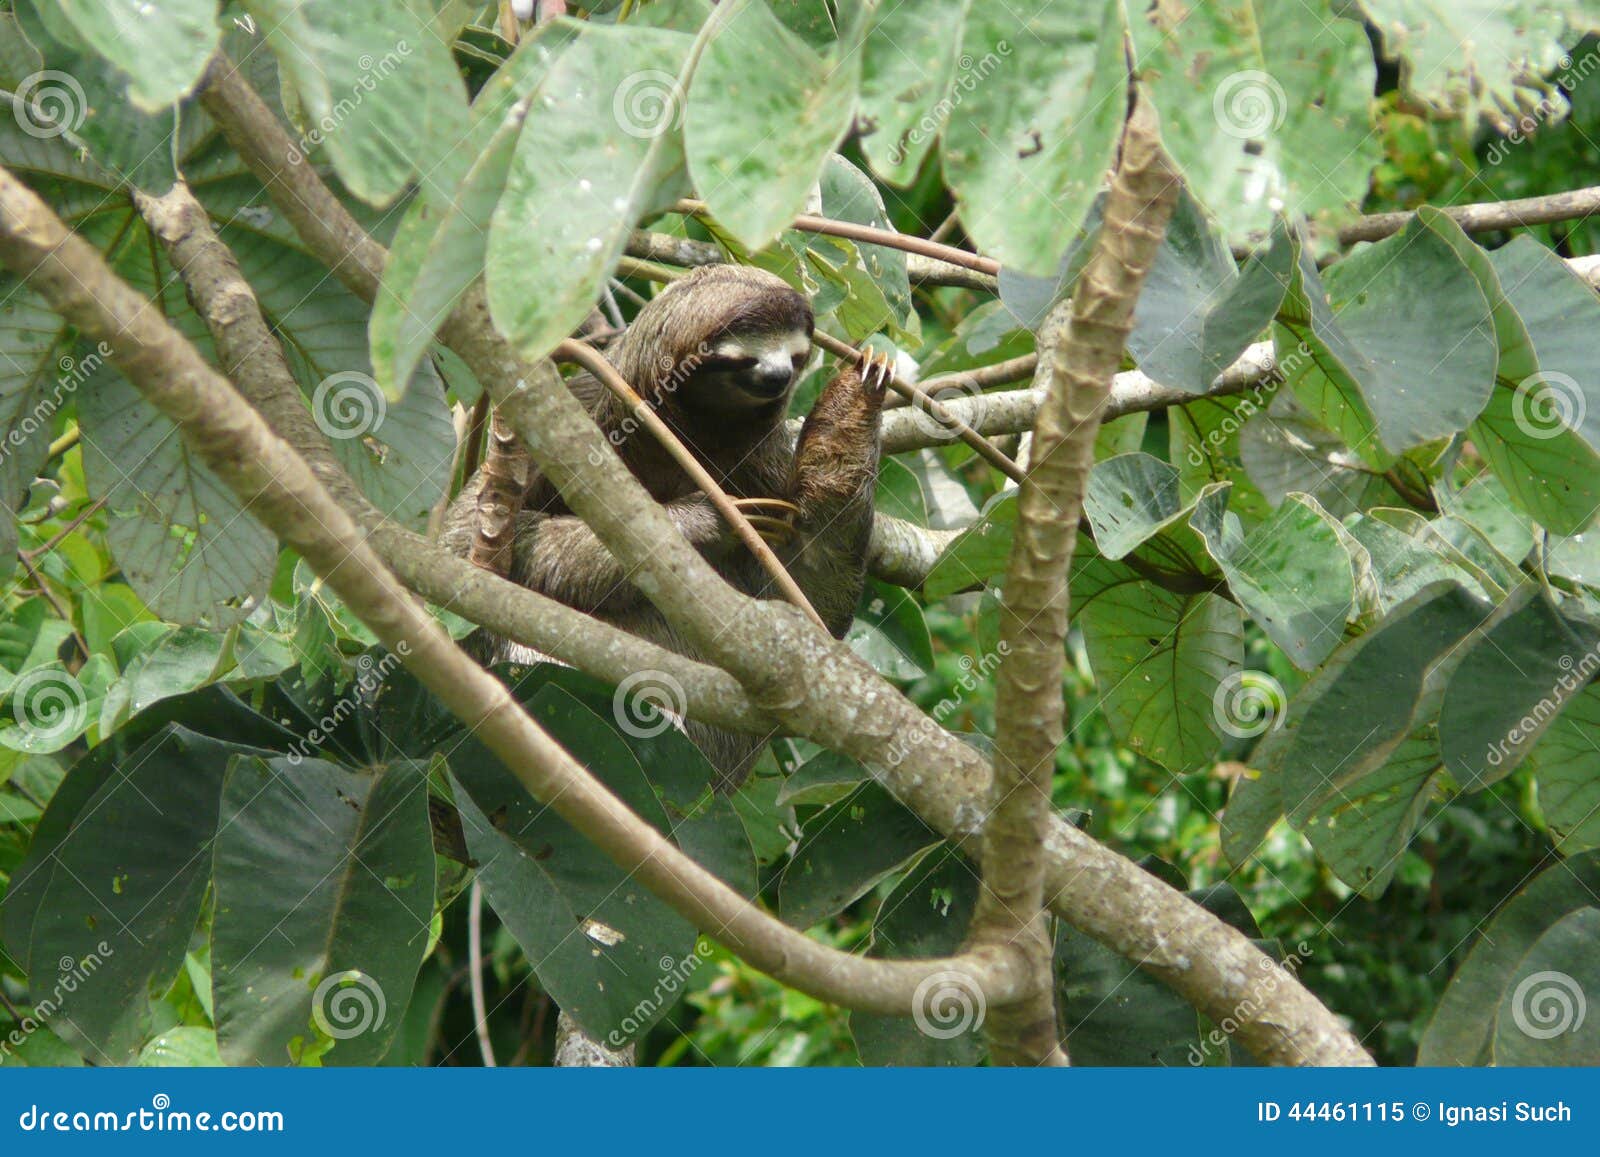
{"x":922,"y":270}
{"x":277,"y":486}
{"x":1485,"y":217}
{"x":822,"y":690}
{"x":1083,"y":356}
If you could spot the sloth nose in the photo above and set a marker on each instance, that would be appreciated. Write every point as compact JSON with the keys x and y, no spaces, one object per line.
{"x":769,"y":379}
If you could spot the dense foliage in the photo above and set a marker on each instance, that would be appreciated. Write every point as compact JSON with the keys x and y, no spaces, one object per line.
{"x":1335,"y":633}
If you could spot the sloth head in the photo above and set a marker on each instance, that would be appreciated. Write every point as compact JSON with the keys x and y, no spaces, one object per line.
{"x":727,"y":340}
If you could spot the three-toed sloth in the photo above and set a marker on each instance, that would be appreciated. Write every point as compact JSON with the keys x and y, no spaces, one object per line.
{"x":717,"y":355}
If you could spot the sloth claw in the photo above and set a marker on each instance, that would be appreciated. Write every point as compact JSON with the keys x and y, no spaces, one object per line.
{"x":877,"y":369}
{"x":772,"y":518}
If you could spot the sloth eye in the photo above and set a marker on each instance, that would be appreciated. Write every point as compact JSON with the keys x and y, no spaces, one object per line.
{"x":730,"y":364}
{"x":800,"y":360}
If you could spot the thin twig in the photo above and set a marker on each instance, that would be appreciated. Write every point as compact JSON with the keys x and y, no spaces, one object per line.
{"x":480,"y":1007}
{"x":934,"y":408}
{"x":811,"y":223}
{"x":1486,"y":216}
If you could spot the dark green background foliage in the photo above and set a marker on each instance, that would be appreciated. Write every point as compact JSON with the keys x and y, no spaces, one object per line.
{"x":1331,"y":672}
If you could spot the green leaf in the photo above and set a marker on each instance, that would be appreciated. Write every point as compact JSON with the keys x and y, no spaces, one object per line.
{"x":1133,"y":503}
{"x":1471,"y":57}
{"x":1362,"y":830}
{"x":845,"y":851}
{"x":376,"y":85}
{"x":890,"y":633}
{"x":977,"y":555}
{"x":1463,"y":1028}
{"x":1197,"y":313}
{"x":1405,"y":311}
{"x":927,"y":914}
{"x":821,"y":780}
{"x":1293,"y":575}
{"x":1516,"y":675}
{"x":1026,"y":148}
{"x":183,"y":1047}
{"x":324,"y":897}
{"x":1159,"y":658}
{"x":1284,"y":451}
{"x":33,"y":388}
{"x":161,"y":48}
{"x":1264,"y":105}
{"x":911,"y":59}
{"x":1540,"y":432}
{"x":125,"y":888}
{"x":1568,"y":771}
{"x":1543,"y":1016}
{"x":598,"y":150}
{"x":848,"y":194}
{"x":765,"y":111}
{"x":1352,"y":716}
{"x":82,"y":100}
{"x":599,"y":940}
{"x":184,"y":542}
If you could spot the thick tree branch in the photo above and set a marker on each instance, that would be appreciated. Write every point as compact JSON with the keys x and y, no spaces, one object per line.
{"x":277,"y":487}
{"x":1083,"y":359}
{"x":822,"y":690}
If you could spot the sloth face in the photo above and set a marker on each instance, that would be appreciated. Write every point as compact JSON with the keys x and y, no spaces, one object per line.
{"x":748,"y":371}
